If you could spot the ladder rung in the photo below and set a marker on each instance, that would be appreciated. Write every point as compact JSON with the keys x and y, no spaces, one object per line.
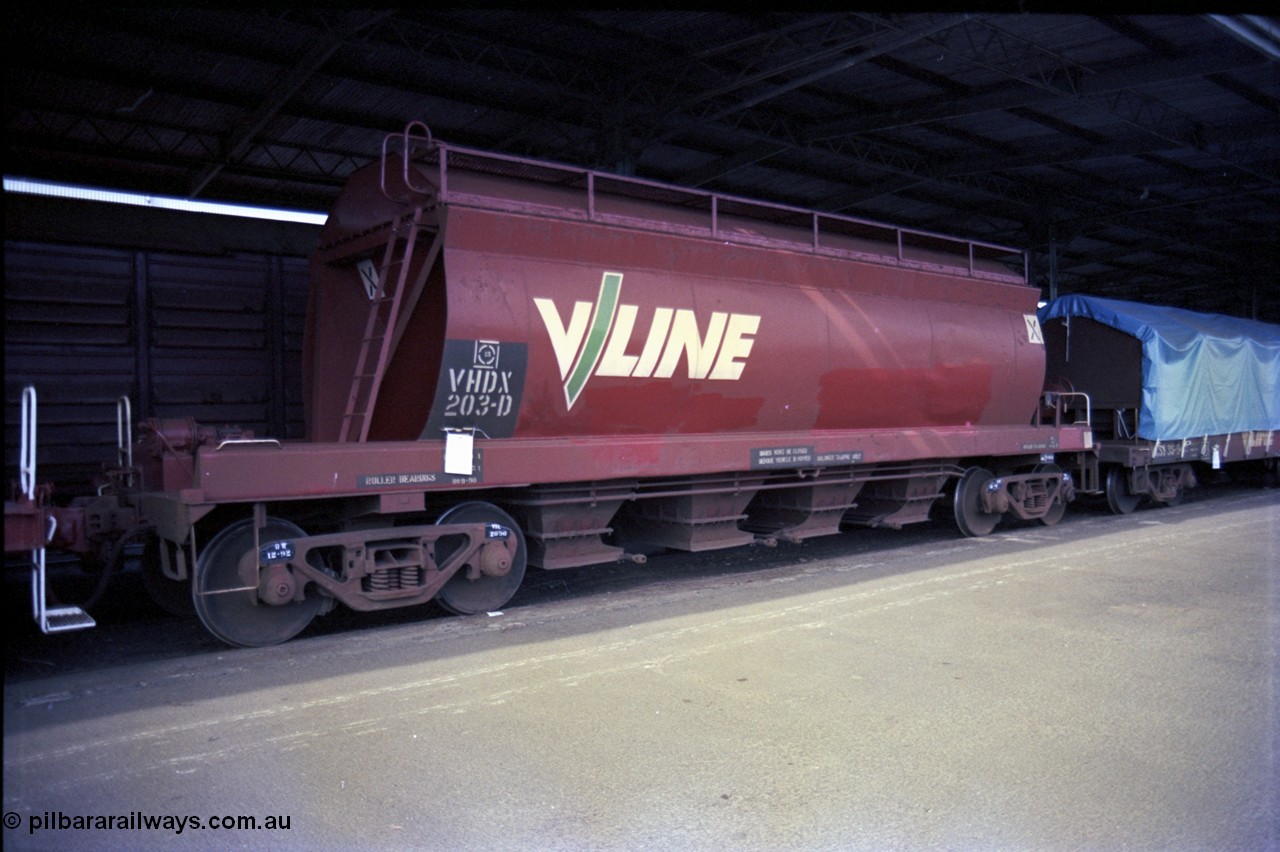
{"x":66,"y":618}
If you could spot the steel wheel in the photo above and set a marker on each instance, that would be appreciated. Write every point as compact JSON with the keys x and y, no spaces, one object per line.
{"x":967,"y":503}
{"x":1120,"y":499}
{"x":239,"y":618}
{"x":1176,"y":500}
{"x":172,"y":596}
{"x":491,"y":589}
{"x":1059,"y":507}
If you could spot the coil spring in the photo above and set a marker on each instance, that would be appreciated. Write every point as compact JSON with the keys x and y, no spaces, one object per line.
{"x":392,"y":579}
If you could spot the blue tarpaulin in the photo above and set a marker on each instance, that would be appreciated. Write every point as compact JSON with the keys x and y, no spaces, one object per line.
{"x":1202,"y":374}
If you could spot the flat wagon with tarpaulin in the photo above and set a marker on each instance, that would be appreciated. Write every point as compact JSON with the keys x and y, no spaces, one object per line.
{"x":1171,"y":391}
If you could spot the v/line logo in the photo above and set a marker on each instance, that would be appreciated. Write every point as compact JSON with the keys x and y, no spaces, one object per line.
{"x":596,"y":340}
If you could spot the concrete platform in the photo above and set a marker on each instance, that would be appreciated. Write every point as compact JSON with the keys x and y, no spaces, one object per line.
{"x":1109,"y":683}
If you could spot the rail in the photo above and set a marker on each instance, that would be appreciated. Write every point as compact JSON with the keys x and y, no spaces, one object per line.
{"x":124,"y":439}
{"x":469,"y":177}
{"x":253,"y":442}
{"x":51,"y":619}
{"x":27,"y":450}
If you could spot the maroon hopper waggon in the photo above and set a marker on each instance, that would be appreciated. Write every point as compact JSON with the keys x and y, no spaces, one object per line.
{"x":512,"y":363}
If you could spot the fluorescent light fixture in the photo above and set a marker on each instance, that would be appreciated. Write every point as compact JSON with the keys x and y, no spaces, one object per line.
{"x":111,"y":196}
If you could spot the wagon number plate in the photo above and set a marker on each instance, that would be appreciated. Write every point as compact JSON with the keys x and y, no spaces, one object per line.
{"x":276,"y":551}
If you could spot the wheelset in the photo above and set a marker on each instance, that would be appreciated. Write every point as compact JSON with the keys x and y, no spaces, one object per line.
{"x":1120,"y":500}
{"x":173,"y":596}
{"x":497,"y":569}
{"x":237,"y":615}
{"x":966,"y":503}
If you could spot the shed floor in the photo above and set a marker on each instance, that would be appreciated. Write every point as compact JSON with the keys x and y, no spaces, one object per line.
{"x":1109,"y":683}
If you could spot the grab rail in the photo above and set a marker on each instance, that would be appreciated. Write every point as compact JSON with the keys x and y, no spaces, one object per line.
{"x":484,"y":179}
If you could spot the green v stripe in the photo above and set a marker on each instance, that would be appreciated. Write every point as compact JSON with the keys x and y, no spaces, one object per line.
{"x":601,"y":322}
